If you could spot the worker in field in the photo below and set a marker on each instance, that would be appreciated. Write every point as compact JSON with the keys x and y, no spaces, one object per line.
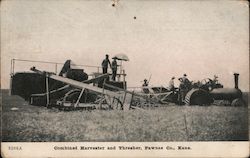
{"x":215,"y":80}
{"x":144,"y":85}
{"x":171,"y":84}
{"x":183,"y":88}
{"x":185,"y":79}
{"x":105,"y":64}
{"x":114,"y":69}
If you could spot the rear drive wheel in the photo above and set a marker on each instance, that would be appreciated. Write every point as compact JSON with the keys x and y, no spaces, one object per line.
{"x":238,"y":102}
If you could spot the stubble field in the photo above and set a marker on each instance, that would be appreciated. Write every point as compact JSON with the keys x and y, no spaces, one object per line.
{"x":26,"y":123}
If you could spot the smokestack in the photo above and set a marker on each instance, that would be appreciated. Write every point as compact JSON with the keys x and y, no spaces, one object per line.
{"x":236,"y":80}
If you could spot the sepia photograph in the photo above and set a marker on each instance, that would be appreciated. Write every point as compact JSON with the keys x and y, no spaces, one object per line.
{"x":114,"y":71}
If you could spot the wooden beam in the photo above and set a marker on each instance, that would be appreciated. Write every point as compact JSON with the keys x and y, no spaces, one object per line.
{"x":81,"y":85}
{"x":96,"y":78}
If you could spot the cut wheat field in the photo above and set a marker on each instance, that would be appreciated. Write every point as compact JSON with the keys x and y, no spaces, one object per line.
{"x":29,"y":123}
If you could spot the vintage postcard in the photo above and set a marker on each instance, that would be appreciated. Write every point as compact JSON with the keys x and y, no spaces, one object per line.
{"x":116,"y":78}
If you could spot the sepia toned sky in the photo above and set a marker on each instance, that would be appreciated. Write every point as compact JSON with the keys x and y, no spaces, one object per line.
{"x":167,"y":38}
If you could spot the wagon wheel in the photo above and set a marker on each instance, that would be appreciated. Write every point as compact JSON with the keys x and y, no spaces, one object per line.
{"x":117,"y":104}
{"x":113,"y":102}
{"x":238,"y":102}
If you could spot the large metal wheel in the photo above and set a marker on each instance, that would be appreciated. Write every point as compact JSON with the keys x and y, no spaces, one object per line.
{"x":198,"y":97}
{"x":117,"y":104}
{"x":238,"y":102}
{"x":113,"y":103}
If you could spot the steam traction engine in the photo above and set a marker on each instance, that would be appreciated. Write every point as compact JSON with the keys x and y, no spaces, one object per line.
{"x":203,"y":92}
{"x":210,"y":91}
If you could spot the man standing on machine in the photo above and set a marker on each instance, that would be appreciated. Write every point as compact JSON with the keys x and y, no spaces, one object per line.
{"x":105,"y":64}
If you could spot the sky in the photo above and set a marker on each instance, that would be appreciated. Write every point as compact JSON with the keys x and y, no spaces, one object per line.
{"x":167,"y":38}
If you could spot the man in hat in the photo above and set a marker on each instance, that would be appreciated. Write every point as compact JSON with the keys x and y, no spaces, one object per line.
{"x":145,"y":84}
{"x":105,"y":64}
{"x":114,"y":68}
{"x":171,"y":84}
{"x":185,"y":81}
{"x":215,"y":80}
{"x":183,"y":88}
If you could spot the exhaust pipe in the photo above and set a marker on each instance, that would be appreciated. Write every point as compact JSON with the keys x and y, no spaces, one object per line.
{"x":236,"y":80}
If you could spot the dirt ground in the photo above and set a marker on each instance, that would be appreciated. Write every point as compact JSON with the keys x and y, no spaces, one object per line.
{"x":26,"y":123}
